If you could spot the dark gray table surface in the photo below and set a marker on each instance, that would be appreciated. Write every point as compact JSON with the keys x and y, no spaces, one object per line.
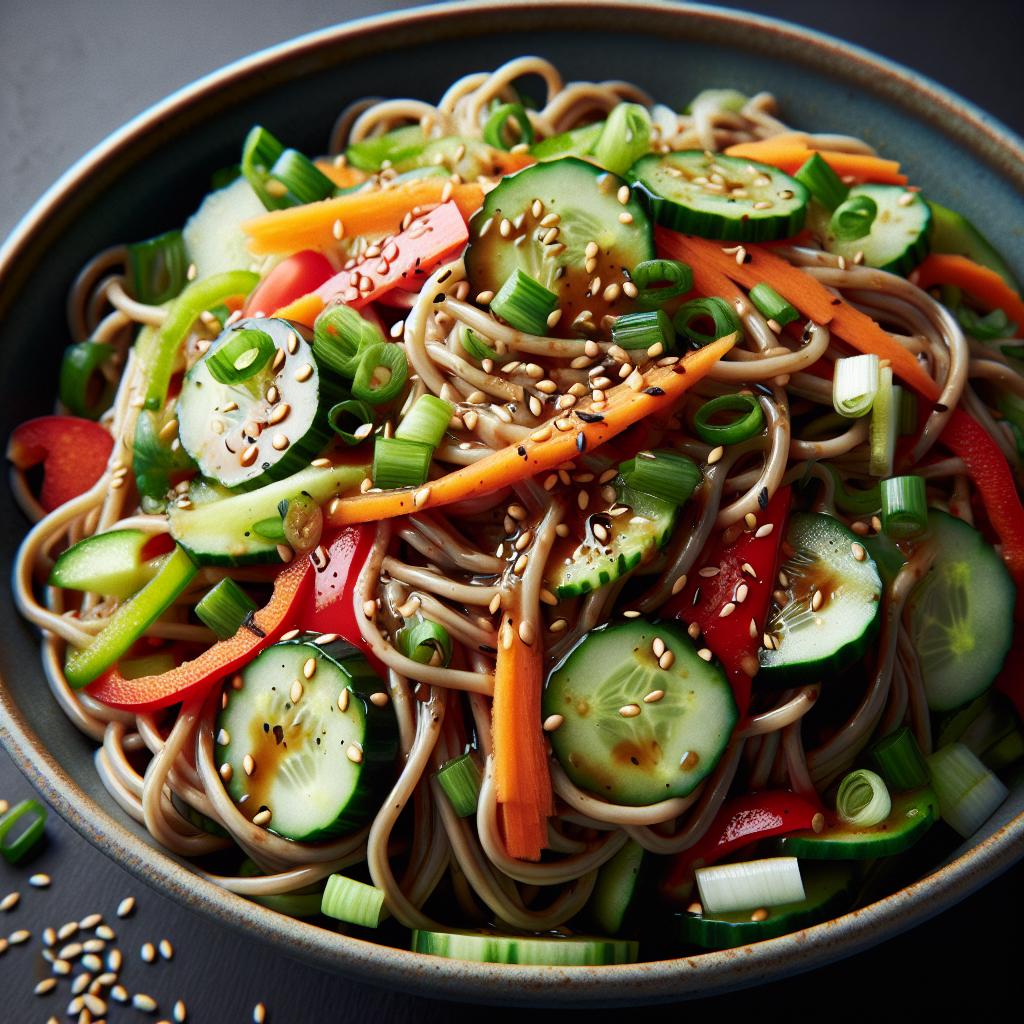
{"x":72,"y":71}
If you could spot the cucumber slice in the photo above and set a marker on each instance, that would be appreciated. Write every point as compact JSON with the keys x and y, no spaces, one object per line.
{"x":828,"y":891}
{"x":814,"y":643}
{"x":236,"y":433}
{"x":952,"y":232}
{"x":584,"y":198}
{"x":716,"y":196}
{"x":486,"y":948}
{"x":960,"y":614}
{"x":110,"y":564}
{"x":911,"y":816}
{"x":219,"y":531}
{"x":616,"y":888}
{"x":321,"y":750}
{"x":629,"y":539}
{"x":898,"y":239}
{"x":658,"y":749}
{"x":214,"y":238}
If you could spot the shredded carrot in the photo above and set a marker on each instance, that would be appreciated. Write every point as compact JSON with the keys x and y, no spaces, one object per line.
{"x":662,"y":387}
{"x":981,"y":283}
{"x":343,"y":177}
{"x":522,"y":783}
{"x":313,"y":225}
{"x":788,"y":152}
{"x":303,"y":310}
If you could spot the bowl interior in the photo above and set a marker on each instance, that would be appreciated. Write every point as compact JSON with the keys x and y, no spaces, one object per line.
{"x":156,"y":175}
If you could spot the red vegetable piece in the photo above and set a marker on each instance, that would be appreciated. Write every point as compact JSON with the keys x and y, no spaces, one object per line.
{"x":289,"y":280}
{"x":74,"y":453}
{"x":751,"y":561}
{"x":742,"y":821}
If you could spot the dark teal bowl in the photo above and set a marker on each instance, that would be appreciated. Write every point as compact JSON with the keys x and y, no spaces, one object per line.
{"x":149,"y":175}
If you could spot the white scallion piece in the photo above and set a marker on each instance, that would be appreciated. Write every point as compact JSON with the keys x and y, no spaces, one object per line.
{"x":855,"y":385}
{"x":863,"y":799}
{"x":750,"y":885}
{"x":968,"y":792}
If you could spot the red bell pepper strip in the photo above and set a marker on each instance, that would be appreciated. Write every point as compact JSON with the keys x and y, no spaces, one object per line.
{"x":289,"y":280}
{"x":750,"y":561}
{"x":329,"y":608}
{"x":743,"y":820}
{"x":194,"y":678}
{"x":74,"y":453}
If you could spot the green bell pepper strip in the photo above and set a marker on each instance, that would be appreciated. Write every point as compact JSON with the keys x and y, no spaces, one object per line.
{"x":131,"y":620}
{"x":159,"y":350}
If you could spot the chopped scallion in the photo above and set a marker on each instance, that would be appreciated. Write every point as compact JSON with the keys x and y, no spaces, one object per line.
{"x":345,"y":899}
{"x":852,"y":218}
{"x":771,"y":305}
{"x":158,"y":268}
{"x":644,"y":330}
{"x":664,"y":473}
{"x":822,"y":182}
{"x":904,"y":507}
{"x":425,"y":642}
{"x":426,"y":421}
{"x":83,"y":389}
{"x":302,"y":181}
{"x":350,"y":420}
{"x":524,"y":303}
{"x":259,"y":153}
{"x":724,"y":320}
{"x":863,"y":799}
{"x":899,"y":760}
{"x":394,"y":148}
{"x":993,"y":326}
{"x":241,"y":355}
{"x":475,"y":348}
{"x":626,"y":137}
{"x":400,"y":463}
{"x":225,"y":607}
{"x":659,"y":281}
{"x":750,"y":885}
{"x":748,"y":421}
{"x":968,"y":792}
{"x":381,"y":374}
{"x":340,"y":336}
{"x":883,"y":426}
{"x":460,"y":780}
{"x":508,"y":126}
{"x":855,"y":385}
{"x":17,"y":844}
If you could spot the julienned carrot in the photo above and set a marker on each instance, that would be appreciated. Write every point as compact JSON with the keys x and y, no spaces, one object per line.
{"x":343,"y":177}
{"x":313,"y":225}
{"x":981,"y":283}
{"x":521,"y":779}
{"x":789,"y":152}
{"x":663,"y":386}
{"x":303,"y":310}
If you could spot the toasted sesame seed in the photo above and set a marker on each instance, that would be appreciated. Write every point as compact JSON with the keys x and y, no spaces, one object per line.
{"x":741,"y":593}
{"x":705,"y":654}
{"x":71,"y":951}
{"x":759,"y":915}
{"x":353,"y":752}
{"x":631,"y":613}
{"x":625,"y":217}
{"x":248,"y":764}
{"x":343,"y":698}
{"x":259,"y":1011}
{"x":91,"y":962}
{"x":61,"y":967}
{"x":148,"y":950}
{"x":817,"y":600}
{"x":654,"y":696}
{"x":379,"y":699}
{"x":114,"y":960}
{"x":658,"y":646}
{"x":10,"y":901}
{"x":858,"y":552}
{"x":553,"y":722}
{"x":46,"y":985}
{"x":94,"y":946}
{"x":527,"y":632}
{"x":226,"y":772}
{"x":126,"y":907}
{"x":260,"y":818}
{"x":80,"y":984}
{"x":147,"y":1004}
{"x":629,"y":710}
{"x":558,"y":626}
{"x":751,"y":520}
{"x":179,"y":1013}
{"x":679,"y":584}
{"x":421,"y":497}
{"x":876,"y":524}
{"x":715,"y":454}
{"x":120,"y":993}
{"x":520,"y":566}
{"x":764,"y":530}
{"x":18,"y":937}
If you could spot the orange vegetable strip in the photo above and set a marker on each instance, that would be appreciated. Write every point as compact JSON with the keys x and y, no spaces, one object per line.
{"x":303,"y":310}
{"x":789,"y":152}
{"x":343,"y":177}
{"x":981,"y":283}
{"x":311,"y":226}
{"x":522,"y":783}
{"x":531,"y":457}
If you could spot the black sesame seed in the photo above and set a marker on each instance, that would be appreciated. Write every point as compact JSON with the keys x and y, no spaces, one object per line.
{"x":581,"y":442}
{"x":590,"y":417}
{"x":654,"y":391}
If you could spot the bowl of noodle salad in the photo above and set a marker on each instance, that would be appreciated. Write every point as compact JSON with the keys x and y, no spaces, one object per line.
{"x":541,"y":535}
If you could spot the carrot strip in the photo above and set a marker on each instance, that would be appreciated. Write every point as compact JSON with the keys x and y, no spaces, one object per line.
{"x":789,"y":152}
{"x":343,"y":177}
{"x":664,"y":385}
{"x":312,"y":225}
{"x":303,"y":310}
{"x":522,"y":783}
{"x":981,"y":283}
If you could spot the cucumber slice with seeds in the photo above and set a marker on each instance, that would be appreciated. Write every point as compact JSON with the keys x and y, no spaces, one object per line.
{"x":487,"y":948}
{"x":716,"y":196}
{"x":960,"y":614}
{"x":659,"y":748}
{"x":899,"y":235}
{"x":584,"y":199}
{"x":269,"y":426}
{"x":832,"y":601}
{"x":319,"y":751}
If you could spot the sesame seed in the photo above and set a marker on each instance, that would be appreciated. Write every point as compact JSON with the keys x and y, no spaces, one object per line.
{"x":817,"y":600}
{"x":625,"y":217}
{"x":179,"y":1013}
{"x":483,"y":298}
{"x":858,"y":552}
{"x":558,"y":626}
{"x":421,"y":497}
{"x":631,"y":613}
{"x":248,"y":764}
{"x":120,"y":993}
{"x":629,"y":710}
{"x":148,"y":950}
{"x":226,"y":772}
{"x":18,"y":937}
{"x":765,"y":530}
{"x":260,"y":818}
{"x":296,"y":691}
{"x":751,"y":520}
{"x":520,"y":566}
{"x":114,"y":960}
{"x":303,"y":373}
{"x":658,"y":647}
{"x":759,"y":915}
{"x":10,"y":901}
{"x":46,"y":985}
{"x":666,"y":661}
{"x":70,"y":952}
{"x":527,"y":632}
{"x":91,"y":962}
{"x":94,"y":946}
{"x":876,"y":524}
{"x":343,"y":700}
{"x":715,"y":454}
{"x":126,"y":907}
{"x":259,"y":1011}
{"x":705,"y":654}
{"x":741,"y":593}
{"x":553,"y":722}
{"x":679,"y":584}
{"x":147,"y":1004}
{"x":379,"y":699}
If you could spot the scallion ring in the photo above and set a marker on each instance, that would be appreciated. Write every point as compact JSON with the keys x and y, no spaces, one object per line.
{"x":240,"y":356}
{"x":508,"y":126}
{"x":644,"y":330}
{"x":659,"y":281}
{"x":83,"y":389}
{"x":853,"y":218}
{"x":904,"y":507}
{"x":398,"y":462}
{"x":381,"y":374}
{"x":427,"y":421}
{"x":425,"y":642}
{"x":475,"y":348}
{"x":748,"y":423}
{"x":724,"y":320}
{"x":341,"y":336}
{"x":863,"y":799}
{"x":351,"y":420}
{"x":158,"y":268}
{"x":771,"y":305}
{"x":225,"y":607}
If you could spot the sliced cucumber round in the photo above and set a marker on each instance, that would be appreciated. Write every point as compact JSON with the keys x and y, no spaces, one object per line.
{"x":899,"y":235}
{"x":831,"y":606}
{"x":580,"y":201}
{"x":634,"y":732}
{"x":268,"y":426}
{"x":828,"y":890}
{"x":486,"y":948}
{"x":960,"y":614}
{"x":318,"y":750}
{"x":717,"y":196}
{"x":612,"y":545}
{"x":911,"y":816}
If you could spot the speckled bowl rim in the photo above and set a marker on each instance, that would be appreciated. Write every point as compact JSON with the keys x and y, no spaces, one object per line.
{"x":700,"y":975}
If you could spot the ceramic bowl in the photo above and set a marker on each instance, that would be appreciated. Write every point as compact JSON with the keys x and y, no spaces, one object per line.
{"x":150,"y":175}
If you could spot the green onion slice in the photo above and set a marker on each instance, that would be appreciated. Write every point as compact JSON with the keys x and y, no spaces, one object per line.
{"x":749,"y":885}
{"x":822,"y":182}
{"x":863,"y":799}
{"x":425,"y":642}
{"x":271,"y":528}
{"x":17,"y":845}
{"x":643,"y":330}
{"x":427,"y":421}
{"x":475,"y":348}
{"x":660,"y":281}
{"x":853,"y":218}
{"x":524,"y":303}
{"x":905,"y":403}
{"x":241,"y":355}
{"x":508,"y":126}
{"x":724,"y":320}
{"x":351,"y":420}
{"x":381,"y":374}
{"x":904,"y":507}
{"x":341,"y":336}
{"x":394,"y":147}
{"x":883,"y":426}
{"x":158,"y":268}
{"x":225,"y":607}
{"x":460,"y":779}
{"x":968,"y":792}
{"x":899,"y":760}
{"x":84,"y":391}
{"x":664,"y":473}
{"x":398,"y":462}
{"x":855,"y":385}
{"x":747,"y":422}
{"x":771,"y":305}
{"x":856,"y":501}
{"x":259,"y":153}
{"x":626,"y":137}
{"x":303,"y":523}
{"x":345,"y":899}
{"x":302,"y":181}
